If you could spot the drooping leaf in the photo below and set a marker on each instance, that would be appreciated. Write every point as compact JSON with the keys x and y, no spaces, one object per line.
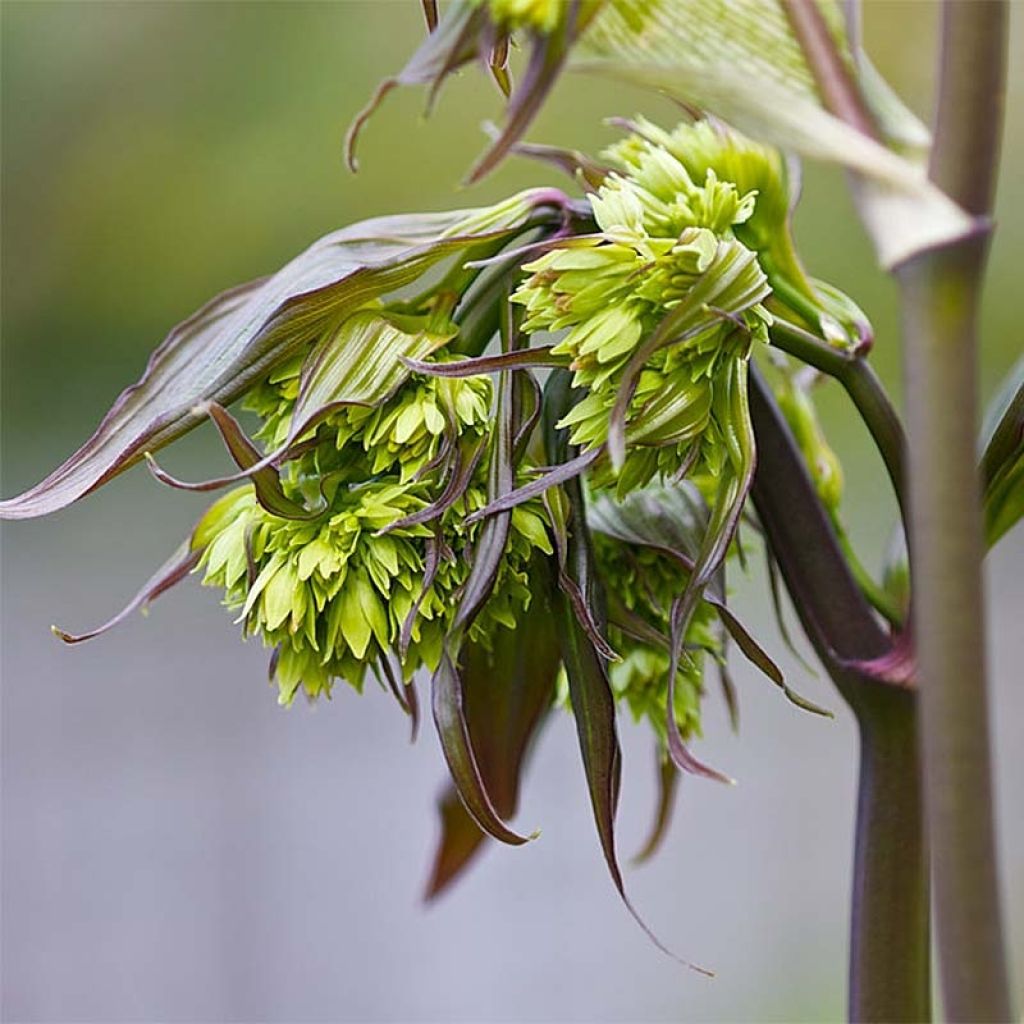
{"x":235,"y":340}
{"x":668,"y":783}
{"x":593,"y":707}
{"x":467,"y":31}
{"x":448,"y":702}
{"x":452,"y":42}
{"x":266,"y":481}
{"x":547,"y":479}
{"x":590,"y":692}
{"x":488,"y":552}
{"x":508,"y":692}
{"x":173,"y":571}
{"x":673,"y":519}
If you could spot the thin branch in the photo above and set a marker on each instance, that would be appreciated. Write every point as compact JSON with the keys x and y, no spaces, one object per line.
{"x":865,"y":390}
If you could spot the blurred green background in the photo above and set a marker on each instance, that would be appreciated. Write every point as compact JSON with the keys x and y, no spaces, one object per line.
{"x":156,"y":153}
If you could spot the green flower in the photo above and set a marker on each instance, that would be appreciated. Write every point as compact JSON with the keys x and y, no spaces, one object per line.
{"x":641,"y":585}
{"x":333,"y":596}
{"x":655,"y":307}
{"x":401,"y":435}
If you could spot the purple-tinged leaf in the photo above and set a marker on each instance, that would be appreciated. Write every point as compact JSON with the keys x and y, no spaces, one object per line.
{"x":175,"y":569}
{"x":266,"y":481}
{"x":235,"y":340}
{"x":521,"y":359}
{"x":590,"y":692}
{"x":756,"y":655}
{"x":454,"y":41}
{"x":508,"y":693}
{"x":489,"y":550}
{"x":668,"y":783}
{"x":430,"y":14}
{"x":403,"y":692}
{"x":588,"y":173}
{"x":529,"y":397}
{"x":556,"y":475}
{"x":593,"y":707}
{"x":547,"y":58}
{"x":733,"y":416}
{"x":463,"y":467}
{"x":432,"y":564}
{"x":450,"y":719}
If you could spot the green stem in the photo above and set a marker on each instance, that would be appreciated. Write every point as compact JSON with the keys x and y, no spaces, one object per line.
{"x":940,"y":292}
{"x":889,"y":977}
{"x":864,"y":388}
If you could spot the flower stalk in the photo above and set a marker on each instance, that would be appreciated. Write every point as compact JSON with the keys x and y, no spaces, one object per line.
{"x":940,"y":295}
{"x":889,"y":946}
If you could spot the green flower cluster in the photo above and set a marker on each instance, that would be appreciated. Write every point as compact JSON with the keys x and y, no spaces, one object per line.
{"x":538,"y":15}
{"x":656,"y":306}
{"x":341,"y":593}
{"x":401,"y":436}
{"x":641,"y":585}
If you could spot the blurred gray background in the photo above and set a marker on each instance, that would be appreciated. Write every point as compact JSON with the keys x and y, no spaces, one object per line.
{"x":178,"y":848}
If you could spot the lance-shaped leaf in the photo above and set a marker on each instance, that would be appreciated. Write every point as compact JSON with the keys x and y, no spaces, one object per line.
{"x":590,"y":692}
{"x":489,"y":550}
{"x":239,"y":337}
{"x":508,"y":692}
{"x":521,"y":359}
{"x":452,"y":42}
{"x":733,"y":418}
{"x":173,"y":571}
{"x":743,"y":62}
{"x":469,"y":31}
{"x":668,"y":783}
{"x":1002,"y":464}
{"x":673,"y":519}
{"x":251,"y":461}
{"x":593,"y":707}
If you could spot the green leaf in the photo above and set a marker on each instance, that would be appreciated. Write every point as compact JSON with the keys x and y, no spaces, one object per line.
{"x":238,"y":338}
{"x":360,"y":364}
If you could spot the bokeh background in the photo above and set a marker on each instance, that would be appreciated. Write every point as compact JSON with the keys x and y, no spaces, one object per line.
{"x":175,"y":846}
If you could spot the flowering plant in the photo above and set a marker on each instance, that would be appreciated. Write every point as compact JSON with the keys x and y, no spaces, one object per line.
{"x":517,"y":448}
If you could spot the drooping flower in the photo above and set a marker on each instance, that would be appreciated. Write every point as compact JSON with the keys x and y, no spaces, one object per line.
{"x":398,"y":506}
